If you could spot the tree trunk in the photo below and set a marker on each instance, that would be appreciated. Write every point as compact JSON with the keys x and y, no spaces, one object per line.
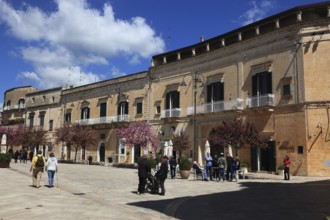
{"x":75,"y":155}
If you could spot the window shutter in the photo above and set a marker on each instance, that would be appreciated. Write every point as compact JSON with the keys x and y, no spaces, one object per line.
{"x":209,"y":93}
{"x":269,"y":88}
{"x":167,"y":101}
{"x":254,"y":85}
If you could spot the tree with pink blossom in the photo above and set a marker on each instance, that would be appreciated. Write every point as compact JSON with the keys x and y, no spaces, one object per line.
{"x":138,"y":133}
{"x":13,"y":135}
{"x":77,"y":136}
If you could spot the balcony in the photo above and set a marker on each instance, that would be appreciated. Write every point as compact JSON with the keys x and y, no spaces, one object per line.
{"x":261,"y":100}
{"x":9,"y":107}
{"x":171,"y":113}
{"x":104,"y":120}
{"x":219,"y":106}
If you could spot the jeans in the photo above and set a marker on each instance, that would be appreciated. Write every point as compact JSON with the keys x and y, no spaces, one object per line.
{"x":222,"y":173}
{"x":173,"y":172}
{"x":286,"y":173}
{"x":209,"y":171}
{"x":51,"y":174}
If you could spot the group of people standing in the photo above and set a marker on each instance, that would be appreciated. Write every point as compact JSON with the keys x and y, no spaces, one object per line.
{"x":144,"y":172}
{"x":221,"y":168}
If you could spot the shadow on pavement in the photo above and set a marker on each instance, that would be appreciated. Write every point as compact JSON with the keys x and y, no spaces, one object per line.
{"x":255,"y":201}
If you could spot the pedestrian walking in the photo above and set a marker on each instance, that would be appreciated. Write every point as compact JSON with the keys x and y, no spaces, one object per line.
{"x":161,"y":175}
{"x":173,"y":165}
{"x":31,"y":155}
{"x":37,"y":168}
{"x":286,"y":162}
{"x":51,"y":169}
{"x":16,"y":156}
{"x":143,"y":173}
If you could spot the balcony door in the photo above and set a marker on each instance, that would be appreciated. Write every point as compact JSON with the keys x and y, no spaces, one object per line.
{"x":215,"y":94}
{"x":172,"y":103}
{"x":262,"y":83}
{"x":85,"y":113}
{"x":122,"y":110}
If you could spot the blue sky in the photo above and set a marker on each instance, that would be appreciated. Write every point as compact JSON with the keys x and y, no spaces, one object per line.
{"x":52,"y":43}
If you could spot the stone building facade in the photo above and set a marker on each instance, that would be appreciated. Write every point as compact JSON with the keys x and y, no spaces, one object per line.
{"x":272,"y":73}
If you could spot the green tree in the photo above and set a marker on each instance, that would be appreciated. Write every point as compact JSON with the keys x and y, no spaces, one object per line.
{"x":237,"y":134}
{"x":180,"y":142}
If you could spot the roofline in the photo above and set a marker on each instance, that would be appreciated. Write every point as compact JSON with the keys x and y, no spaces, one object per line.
{"x":254,"y":24}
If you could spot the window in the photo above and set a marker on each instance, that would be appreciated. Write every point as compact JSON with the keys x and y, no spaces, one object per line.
{"x":300,"y":150}
{"x":123,"y":108}
{"x":84,"y":113}
{"x":43,"y":98}
{"x":158,"y":109}
{"x":139,"y":108}
{"x":21,"y":103}
{"x":42,"y":120}
{"x":286,"y":90}
{"x":31,"y":118}
{"x":8,"y":105}
{"x":103,"y":109}
{"x":53,"y":99}
{"x":102,"y":136}
{"x":68,"y":117}
{"x":121,"y":147}
{"x":262,"y":83}
{"x":215,"y":94}
{"x":172,"y":100}
{"x":51,"y":123}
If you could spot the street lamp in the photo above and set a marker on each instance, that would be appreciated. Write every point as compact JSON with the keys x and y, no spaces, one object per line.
{"x":197,"y":79}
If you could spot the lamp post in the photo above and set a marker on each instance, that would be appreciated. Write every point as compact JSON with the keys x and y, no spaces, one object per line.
{"x":197,"y":78}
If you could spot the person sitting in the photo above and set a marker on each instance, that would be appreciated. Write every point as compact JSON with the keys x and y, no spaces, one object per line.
{"x":200,"y":170}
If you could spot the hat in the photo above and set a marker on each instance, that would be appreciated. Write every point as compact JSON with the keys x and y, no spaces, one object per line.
{"x":221,"y":153}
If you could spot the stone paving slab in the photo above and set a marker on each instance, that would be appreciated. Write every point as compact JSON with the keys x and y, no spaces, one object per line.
{"x":103,"y":192}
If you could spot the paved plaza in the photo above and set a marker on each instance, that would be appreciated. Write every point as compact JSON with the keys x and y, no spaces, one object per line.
{"x":106,"y":192}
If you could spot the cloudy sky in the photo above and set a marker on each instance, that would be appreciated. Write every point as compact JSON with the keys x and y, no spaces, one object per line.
{"x":52,"y":43}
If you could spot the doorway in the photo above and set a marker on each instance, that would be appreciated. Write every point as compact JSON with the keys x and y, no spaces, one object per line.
{"x":102,"y":153}
{"x":137,"y":153}
{"x":264,"y":159}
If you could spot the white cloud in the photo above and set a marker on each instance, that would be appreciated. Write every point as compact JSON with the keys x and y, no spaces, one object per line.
{"x":29,"y":76}
{"x":76,"y":35}
{"x":257,"y":12}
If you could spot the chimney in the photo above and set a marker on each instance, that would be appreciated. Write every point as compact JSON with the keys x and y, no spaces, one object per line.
{"x":202,"y":39}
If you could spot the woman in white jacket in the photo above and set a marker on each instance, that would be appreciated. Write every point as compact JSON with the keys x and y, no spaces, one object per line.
{"x":51,"y":169}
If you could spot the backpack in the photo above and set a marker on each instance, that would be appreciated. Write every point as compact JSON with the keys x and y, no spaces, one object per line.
{"x":40,"y":162}
{"x":221,"y":162}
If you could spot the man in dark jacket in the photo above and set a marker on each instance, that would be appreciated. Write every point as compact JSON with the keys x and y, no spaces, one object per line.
{"x":143,"y":172}
{"x":161,"y":175}
{"x":230,"y":163}
{"x":173,"y":164}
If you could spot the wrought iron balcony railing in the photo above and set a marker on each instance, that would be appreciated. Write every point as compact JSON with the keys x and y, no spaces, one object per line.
{"x":261,"y":100}
{"x":104,"y":120}
{"x":219,"y":106}
{"x":170,"y":113}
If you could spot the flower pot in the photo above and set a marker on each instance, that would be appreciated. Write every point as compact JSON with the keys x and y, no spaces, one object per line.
{"x":4,"y":164}
{"x":244,"y":170}
{"x":280,"y":172}
{"x":184,"y":174}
